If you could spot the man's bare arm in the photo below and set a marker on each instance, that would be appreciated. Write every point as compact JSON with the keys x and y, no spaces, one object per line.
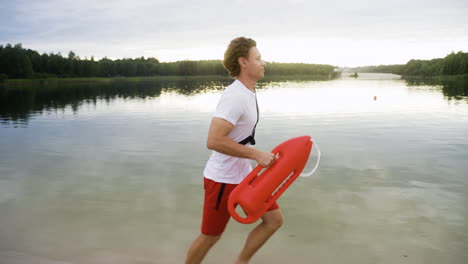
{"x":219,"y":141}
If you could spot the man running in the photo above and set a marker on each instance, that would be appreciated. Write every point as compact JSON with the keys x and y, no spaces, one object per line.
{"x":231,"y":136}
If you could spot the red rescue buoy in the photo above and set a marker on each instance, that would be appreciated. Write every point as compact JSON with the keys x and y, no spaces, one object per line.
{"x":260,"y":189}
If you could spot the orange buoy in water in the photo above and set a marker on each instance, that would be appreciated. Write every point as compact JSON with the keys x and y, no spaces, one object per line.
{"x":260,"y":189}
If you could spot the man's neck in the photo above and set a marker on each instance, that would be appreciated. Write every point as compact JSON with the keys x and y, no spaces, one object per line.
{"x":249,"y":83}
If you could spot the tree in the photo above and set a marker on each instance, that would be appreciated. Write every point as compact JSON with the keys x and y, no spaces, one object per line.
{"x":71,"y":55}
{"x":17,"y":62}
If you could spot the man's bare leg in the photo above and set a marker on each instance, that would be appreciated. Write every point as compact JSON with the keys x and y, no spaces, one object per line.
{"x":199,"y":248}
{"x":272,"y":221}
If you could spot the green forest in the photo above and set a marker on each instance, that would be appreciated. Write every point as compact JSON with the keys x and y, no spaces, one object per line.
{"x":18,"y":62}
{"x":452,"y":64}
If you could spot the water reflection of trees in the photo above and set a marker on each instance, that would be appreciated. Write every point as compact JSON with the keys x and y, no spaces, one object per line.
{"x":19,"y":101}
{"x":453,"y":87}
{"x":194,"y":85}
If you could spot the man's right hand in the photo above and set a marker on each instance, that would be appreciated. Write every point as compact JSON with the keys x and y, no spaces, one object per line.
{"x":265,"y":158}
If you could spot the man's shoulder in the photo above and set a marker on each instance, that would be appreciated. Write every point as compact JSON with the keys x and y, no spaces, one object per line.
{"x":236,"y":88}
{"x":232,"y":87}
{"x":232,"y":90}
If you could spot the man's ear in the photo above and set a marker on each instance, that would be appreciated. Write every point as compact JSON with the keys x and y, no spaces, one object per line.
{"x":242,"y":61}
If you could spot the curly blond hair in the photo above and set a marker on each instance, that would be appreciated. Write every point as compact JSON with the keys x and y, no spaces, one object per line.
{"x":239,"y":47}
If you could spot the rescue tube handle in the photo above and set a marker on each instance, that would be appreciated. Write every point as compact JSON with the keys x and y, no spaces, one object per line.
{"x":318,"y":161}
{"x":240,"y":219}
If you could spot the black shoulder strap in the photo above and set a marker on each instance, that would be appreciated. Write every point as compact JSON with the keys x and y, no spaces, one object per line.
{"x":251,"y":138}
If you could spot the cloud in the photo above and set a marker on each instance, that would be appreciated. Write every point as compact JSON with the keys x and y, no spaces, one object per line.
{"x":162,"y":28}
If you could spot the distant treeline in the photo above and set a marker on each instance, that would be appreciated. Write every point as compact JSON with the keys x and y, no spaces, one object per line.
{"x":17,"y":62}
{"x":395,"y":69}
{"x":452,"y":64}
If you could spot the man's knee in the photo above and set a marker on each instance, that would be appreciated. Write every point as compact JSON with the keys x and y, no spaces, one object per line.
{"x":274,"y":219}
{"x":275,"y":223}
{"x":209,"y":239}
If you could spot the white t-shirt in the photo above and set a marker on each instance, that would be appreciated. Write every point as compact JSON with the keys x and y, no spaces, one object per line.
{"x":238,"y":106}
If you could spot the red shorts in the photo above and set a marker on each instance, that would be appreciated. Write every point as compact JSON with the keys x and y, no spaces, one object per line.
{"x":215,"y":211}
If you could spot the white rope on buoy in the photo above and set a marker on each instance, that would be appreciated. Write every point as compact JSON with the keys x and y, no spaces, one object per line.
{"x":316,"y":165}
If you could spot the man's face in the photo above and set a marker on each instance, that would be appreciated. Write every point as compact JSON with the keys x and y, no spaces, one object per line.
{"x":255,"y":66}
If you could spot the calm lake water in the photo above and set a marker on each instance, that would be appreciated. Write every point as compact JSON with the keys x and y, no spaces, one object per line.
{"x":111,"y":171}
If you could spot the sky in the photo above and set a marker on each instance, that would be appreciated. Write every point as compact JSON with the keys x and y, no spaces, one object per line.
{"x":340,"y":33}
